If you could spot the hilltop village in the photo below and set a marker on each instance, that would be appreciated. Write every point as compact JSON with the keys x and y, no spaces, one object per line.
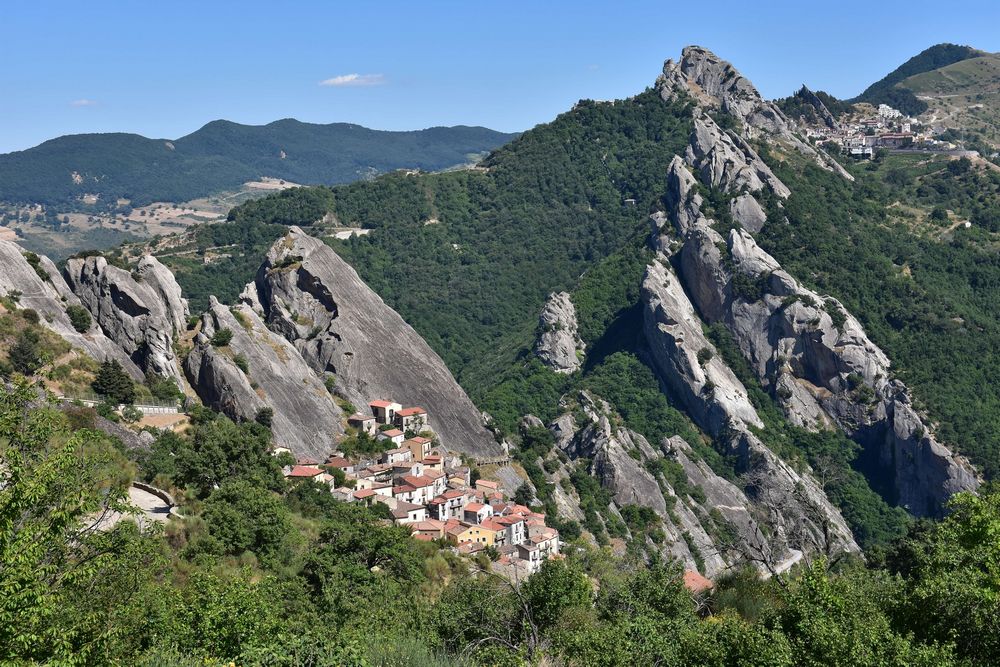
{"x":437,"y":495}
{"x":863,"y":133}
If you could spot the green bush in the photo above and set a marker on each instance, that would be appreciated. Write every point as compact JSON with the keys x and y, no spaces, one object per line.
{"x":222,"y":337}
{"x":79,"y":317}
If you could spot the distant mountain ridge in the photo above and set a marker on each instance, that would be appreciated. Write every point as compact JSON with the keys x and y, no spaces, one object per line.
{"x":222,"y":155}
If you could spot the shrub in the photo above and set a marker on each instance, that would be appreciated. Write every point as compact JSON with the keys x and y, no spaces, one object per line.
{"x":242,"y":363}
{"x":222,"y":337}
{"x":78,"y":317}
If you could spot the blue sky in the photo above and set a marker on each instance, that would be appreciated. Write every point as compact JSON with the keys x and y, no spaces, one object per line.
{"x":163,"y":69}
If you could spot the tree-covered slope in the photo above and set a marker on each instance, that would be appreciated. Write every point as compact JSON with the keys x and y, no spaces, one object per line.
{"x":887,"y":91}
{"x":222,"y":155}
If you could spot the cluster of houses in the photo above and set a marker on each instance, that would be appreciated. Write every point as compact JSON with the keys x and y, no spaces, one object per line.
{"x":886,"y":128}
{"x":433,"y":492}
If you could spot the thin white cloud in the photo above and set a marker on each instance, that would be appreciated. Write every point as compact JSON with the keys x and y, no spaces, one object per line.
{"x":84,"y":102}
{"x":354,"y":80}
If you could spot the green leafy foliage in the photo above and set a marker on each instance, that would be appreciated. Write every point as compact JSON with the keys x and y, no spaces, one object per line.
{"x":114,"y":383}
{"x":79,"y":317}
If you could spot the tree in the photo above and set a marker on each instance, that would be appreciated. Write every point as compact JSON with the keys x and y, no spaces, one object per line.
{"x":552,"y":590}
{"x":113,"y":382}
{"x":524,"y":494}
{"x":242,"y":517}
{"x":953,"y":568}
{"x":25,"y":356}
{"x":220,"y":450}
{"x":54,"y":487}
{"x":78,"y":317}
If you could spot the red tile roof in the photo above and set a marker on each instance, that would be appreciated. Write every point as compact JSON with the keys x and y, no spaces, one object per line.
{"x":392,"y":433}
{"x":421,"y":439}
{"x":474,"y":507}
{"x":338,"y":462}
{"x":364,"y":493}
{"x":380,"y":404}
{"x":304,"y":471}
{"x":358,"y":417}
{"x":417,"y":482}
{"x":409,"y":412}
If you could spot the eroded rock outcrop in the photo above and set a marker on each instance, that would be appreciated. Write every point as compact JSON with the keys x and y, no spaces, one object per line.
{"x":819,"y":363}
{"x":715,"y":84}
{"x":49,"y":296}
{"x":727,"y":162}
{"x":707,"y":521}
{"x":141,"y":312}
{"x":260,"y":369}
{"x":342,"y":329}
{"x":559,"y":345}
{"x":717,"y":401}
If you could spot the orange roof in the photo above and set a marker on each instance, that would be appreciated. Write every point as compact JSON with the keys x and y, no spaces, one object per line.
{"x":474,"y":507}
{"x":417,"y":482}
{"x":493,"y":525}
{"x":380,"y":404}
{"x":392,"y":433}
{"x":694,"y":582}
{"x":363,"y":493}
{"x":304,"y":471}
{"x":338,"y":462}
{"x":452,"y":493}
{"x":409,"y":412}
{"x":421,"y":439}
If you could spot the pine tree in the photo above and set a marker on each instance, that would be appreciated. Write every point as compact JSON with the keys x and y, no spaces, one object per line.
{"x":112,"y":381}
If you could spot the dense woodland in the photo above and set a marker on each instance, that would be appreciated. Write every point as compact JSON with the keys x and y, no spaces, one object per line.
{"x":222,"y":156}
{"x":263,"y":572}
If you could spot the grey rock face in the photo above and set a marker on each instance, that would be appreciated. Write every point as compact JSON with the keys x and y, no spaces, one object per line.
{"x":720,"y":524}
{"x":748,"y":212}
{"x":559,"y":345}
{"x":306,"y":420}
{"x":714,"y":83}
{"x":50,"y":298}
{"x":718,"y":402}
{"x":728,"y":162}
{"x":341,"y":327}
{"x":687,"y":360}
{"x":140,"y":316}
{"x":823,"y":368}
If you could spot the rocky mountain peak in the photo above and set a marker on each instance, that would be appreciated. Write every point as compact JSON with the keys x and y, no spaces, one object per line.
{"x":715,"y":85}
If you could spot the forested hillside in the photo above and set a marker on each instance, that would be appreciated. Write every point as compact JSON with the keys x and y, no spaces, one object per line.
{"x":223,"y":155}
{"x":279,"y":573}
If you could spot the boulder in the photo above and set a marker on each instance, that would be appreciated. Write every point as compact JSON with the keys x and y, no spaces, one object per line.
{"x":342,"y":329}
{"x":49,"y":297}
{"x":559,"y":345}
{"x":305,"y":419}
